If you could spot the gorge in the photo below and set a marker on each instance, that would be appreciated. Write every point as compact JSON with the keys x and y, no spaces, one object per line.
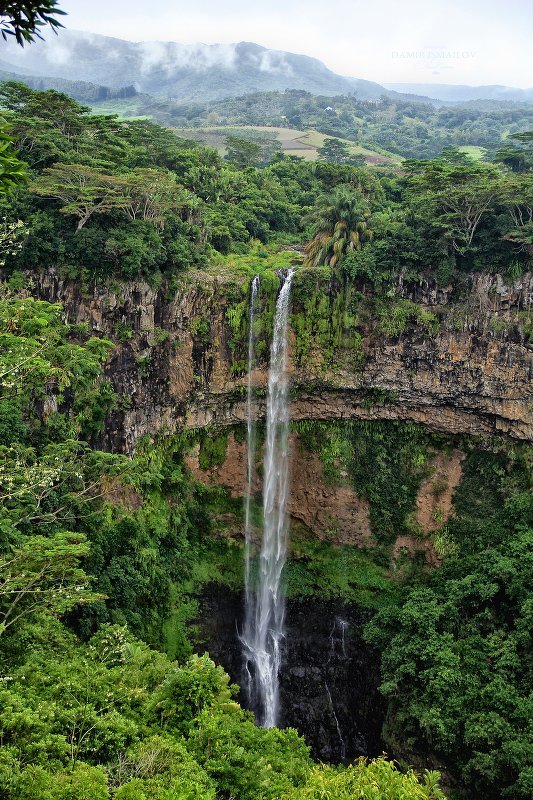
{"x":191,"y":376}
{"x":201,"y":350}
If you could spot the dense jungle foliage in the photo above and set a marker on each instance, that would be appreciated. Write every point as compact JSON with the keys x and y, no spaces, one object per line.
{"x":111,"y":545}
{"x":101,"y":555}
{"x":411,"y":129}
{"x":455,"y":643}
{"x":126,"y":198}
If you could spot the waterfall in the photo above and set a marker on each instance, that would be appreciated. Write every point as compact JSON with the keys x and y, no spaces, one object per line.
{"x":264,"y":619}
{"x":342,"y":625}
{"x":250,"y":449}
{"x":339,"y":731}
{"x":250,"y":441}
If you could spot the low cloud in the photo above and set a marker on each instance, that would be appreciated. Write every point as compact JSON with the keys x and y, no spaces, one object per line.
{"x":168,"y":56}
{"x":276,"y":62}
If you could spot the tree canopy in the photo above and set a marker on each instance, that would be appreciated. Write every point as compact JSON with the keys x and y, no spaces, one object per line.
{"x":129,"y":197}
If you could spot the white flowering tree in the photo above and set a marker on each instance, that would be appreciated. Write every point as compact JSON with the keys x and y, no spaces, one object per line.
{"x":43,"y":574}
{"x":48,"y":480}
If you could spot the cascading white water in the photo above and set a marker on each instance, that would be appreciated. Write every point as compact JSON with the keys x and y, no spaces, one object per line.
{"x":250,"y":437}
{"x":337,"y":724}
{"x":251,"y":448}
{"x":264,"y":620}
{"x":342,"y":625}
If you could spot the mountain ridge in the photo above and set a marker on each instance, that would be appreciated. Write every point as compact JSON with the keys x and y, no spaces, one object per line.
{"x":184,"y":72}
{"x":459,"y":93}
{"x":202,"y":72}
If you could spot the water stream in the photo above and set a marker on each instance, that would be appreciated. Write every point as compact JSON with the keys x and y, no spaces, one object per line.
{"x":337,"y":724}
{"x":263,"y":630}
{"x":251,"y":443}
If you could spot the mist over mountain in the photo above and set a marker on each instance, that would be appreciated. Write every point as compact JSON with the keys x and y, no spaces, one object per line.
{"x":184,"y":72}
{"x":200,"y":72}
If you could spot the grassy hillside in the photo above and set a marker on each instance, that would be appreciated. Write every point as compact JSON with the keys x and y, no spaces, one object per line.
{"x":475,"y":153}
{"x":125,"y":108}
{"x":292,"y":141}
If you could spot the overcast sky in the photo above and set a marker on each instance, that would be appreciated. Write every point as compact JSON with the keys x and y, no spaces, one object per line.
{"x":424,"y":41}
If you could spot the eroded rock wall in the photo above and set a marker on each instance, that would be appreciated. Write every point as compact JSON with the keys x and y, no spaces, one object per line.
{"x":329,"y":676}
{"x":332,"y":511}
{"x":173,"y":365}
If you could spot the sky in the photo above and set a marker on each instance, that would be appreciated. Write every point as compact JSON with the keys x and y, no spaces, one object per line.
{"x":389,"y":41}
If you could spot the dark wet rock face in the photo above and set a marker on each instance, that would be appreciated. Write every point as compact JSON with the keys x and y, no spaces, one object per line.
{"x":329,"y":679}
{"x":173,"y":366}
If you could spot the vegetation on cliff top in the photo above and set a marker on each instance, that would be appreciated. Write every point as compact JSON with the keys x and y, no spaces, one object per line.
{"x":126,"y":198}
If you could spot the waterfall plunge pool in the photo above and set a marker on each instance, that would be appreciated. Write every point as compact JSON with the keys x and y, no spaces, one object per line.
{"x":323,"y":647}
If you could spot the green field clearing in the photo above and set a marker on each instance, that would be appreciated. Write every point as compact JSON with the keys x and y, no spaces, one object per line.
{"x":125,"y":109}
{"x":293,"y":142}
{"x":473,"y":151}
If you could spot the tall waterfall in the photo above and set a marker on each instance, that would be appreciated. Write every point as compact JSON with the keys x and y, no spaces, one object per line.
{"x":251,"y":448}
{"x":265,"y":611}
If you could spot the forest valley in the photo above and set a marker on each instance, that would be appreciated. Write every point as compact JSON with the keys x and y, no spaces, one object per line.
{"x":103,"y":554}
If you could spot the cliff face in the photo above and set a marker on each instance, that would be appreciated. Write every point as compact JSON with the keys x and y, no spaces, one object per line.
{"x":176,"y":363}
{"x":329,"y":676}
{"x":333,"y":510}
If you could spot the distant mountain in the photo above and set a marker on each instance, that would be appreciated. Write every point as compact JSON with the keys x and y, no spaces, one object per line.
{"x":9,"y":68}
{"x":182,"y":72}
{"x":200,"y":72}
{"x":458,"y":94}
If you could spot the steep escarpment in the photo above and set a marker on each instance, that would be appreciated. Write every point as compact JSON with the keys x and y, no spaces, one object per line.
{"x":332,"y":511}
{"x":453,"y":359}
{"x":330,"y":504}
{"x":377,"y":502}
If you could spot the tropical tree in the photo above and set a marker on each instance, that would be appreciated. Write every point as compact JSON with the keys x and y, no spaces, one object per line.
{"x":43,"y":575}
{"x":82,"y":191}
{"x":23,"y":19}
{"x":151,"y":194}
{"x":457,"y":196}
{"x":242,"y":152}
{"x":42,"y":486}
{"x":517,"y":199}
{"x":367,"y":780}
{"x":12,"y":171}
{"x":11,"y":236}
{"x":517,"y":152}
{"x":335,"y":151}
{"x":340,"y":225}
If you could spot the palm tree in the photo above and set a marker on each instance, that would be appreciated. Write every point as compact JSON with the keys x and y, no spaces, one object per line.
{"x":340,"y":224}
